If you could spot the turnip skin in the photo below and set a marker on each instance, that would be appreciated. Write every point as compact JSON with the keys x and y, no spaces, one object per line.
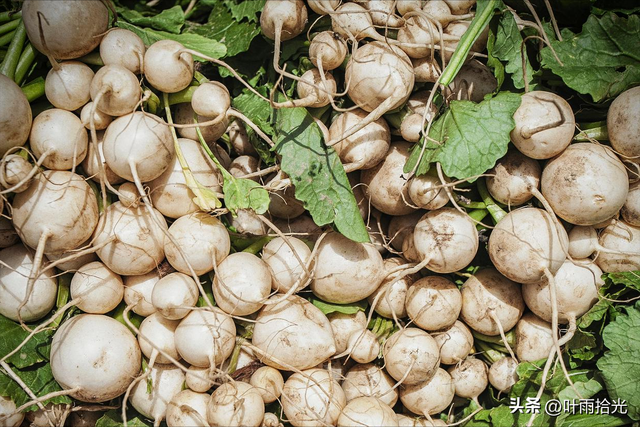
{"x":269,"y":383}
{"x":327,"y":49}
{"x":68,"y":87}
{"x":346,"y":271}
{"x":455,"y":343}
{"x":247,"y":222}
{"x":583,"y":241}
{"x":200,"y":379}
{"x":431,"y":396}
{"x":211,"y":99}
{"x":534,"y":339}
{"x":631,"y":210}
{"x":312,"y":403}
{"x":59,"y":204}
{"x":188,"y":409}
{"x":544,"y":125}
{"x":157,"y":330}
{"x":109,"y":360}
{"x":241,"y":284}
{"x":122,"y":47}
{"x":515,"y":175}
{"x":245,"y":165}
{"x":363,"y":346}
{"x":137,"y":292}
{"x":236,"y":403}
{"x":433,"y":303}
{"x":489,"y":297}
{"x":367,"y":411}
{"x":15,"y":170}
{"x":343,"y":325}
{"x":426,"y":191}
{"x":8,"y":234}
{"x":473,"y":82}
{"x":425,"y":70}
{"x":283,"y":264}
{"x":203,"y":240}
{"x":167,"y":381}
{"x":411,"y":354}
{"x":286,"y":18}
{"x":166,"y":67}
{"x":115,"y":90}
{"x":470,"y":378}
{"x":323,"y":7}
{"x":100,"y":120}
{"x":401,"y":226}
{"x":8,"y":409}
{"x":68,"y":30}
{"x":525,"y":243}
{"x":293,"y":331}
{"x":586,"y":184}
{"x":62,"y":135}
{"x":99,"y":289}
{"x":15,"y":268}
{"x":619,"y":236}
{"x":91,"y":166}
{"x":392,"y":302}
{"x":174,"y":295}
{"x":205,"y":338}
{"x":503,"y":375}
{"x":369,"y":380}
{"x":139,"y":240}
{"x":622,"y":123}
{"x":184,"y":115}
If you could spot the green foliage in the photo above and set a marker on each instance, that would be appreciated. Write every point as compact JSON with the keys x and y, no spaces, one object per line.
{"x":35,"y":351}
{"x":328,"y":307}
{"x":40,"y":381}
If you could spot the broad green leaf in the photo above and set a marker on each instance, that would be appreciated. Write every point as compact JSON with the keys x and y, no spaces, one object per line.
{"x":236,"y":36}
{"x":320,"y":181}
{"x":630,"y":279}
{"x":170,"y":20}
{"x":620,"y":365}
{"x":39,"y":380}
{"x":507,"y":48}
{"x":586,"y":389}
{"x":582,"y":347}
{"x":196,"y":42}
{"x":113,"y":419}
{"x":472,"y":136}
{"x":241,"y":9}
{"x":593,"y":420}
{"x":603,"y":60}
{"x":256,"y":109}
{"x":35,"y":351}
{"x":493,"y":62}
{"x":240,"y":193}
{"x":328,"y":307}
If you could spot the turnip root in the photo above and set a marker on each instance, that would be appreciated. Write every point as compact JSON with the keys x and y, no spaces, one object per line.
{"x":426,"y":70}
{"x":343,"y":325}
{"x":205,"y":338}
{"x":56,"y":213}
{"x":623,"y":129}
{"x":323,"y":7}
{"x":123,"y":47}
{"x":140,"y":144}
{"x":245,"y":165}
{"x":96,"y":356}
{"x":346,"y":271}
{"x":236,"y":403}
{"x":470,"y":378}
{"x":583,"y":241}
{"x":188,"y":409}
{"x":526,"y":243}
{"x":446,"y":239}
{"x":503,"y":375}
{"x":382,"y":13}
{"x":426,"y":191}
{"x":455,"y":343}
{"x":411,"y":356}
{"x":327,"y":50}
{"x":203,"y":241}
{"x":184,"y":114}
{"x":268,"y":382}
{"x":15,"y":173}
{"x":60,"y":136}
{"x":200,"y":379}
{"x":170,"y":192}
{"x":241,"y":284}
{"x":353,"y":22}
{"x":624,"y":239}
{"x":401,"y":226}
{"x":367,"y":411}
{"x":363,"y":346}
{"x":15,"y":115}
{"x":419,"y":35}
{"x":8,"y":415}
{"x":15,"y":268}
{"x":433,"y":303}
{"x":586,"y":184}
{"x":247,"y":222}
{"x":98,"y":289}
{"x":431,"y":396}
{"x":174,"y":295}
{"x":386,"y":184}
{"x":441,"y":11}
{"x":411,"y":127}
{"x":91,"y":163}
{"x":491,"y":303}
{"x":8,"y":234}
{"x":369,"y":380}
{"x":281,"y":258}
{"x":515,"y":175}
{"x":289,"y":330}
{"x":394,"y":292}
{"x":314,"y":90}
{"x":631,"y":210}
{"x":156,"y":336}
{"x":100,"y":120}
{"x":61,"y":29}
{"x":239,"y":139}
{"x":167,"y":382}
{"x":365,"y":148}
{"x":544,"y":125}
{"x":115,"y":90}
{"x":534,"y":339}
{"x":454,"y":31}
{"x":132,"y":243}
{"x":137,"y":292}
{"x":43,"y":417}
{"x":312,"y":398}
{"x":167,"y":67}
{"x":72,"y":260}
{"x":473,"y":82}
{"x":68,"y":86}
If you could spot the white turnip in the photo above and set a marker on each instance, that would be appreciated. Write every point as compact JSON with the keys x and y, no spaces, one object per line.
{"x":433,"y":303}
{"x":167,"y":66}
{"x":455,"y":343}
{"x":622,"y":127}
{"x":174,"y":295}
{"x":431,"y":396}
{"x":367,"y":411}
{"x":236,"y":403}
{"x":514,"y":176}
{"x":470,"y":378}
{"x":166,"y":382}
{"x":411,"y":355}
{"x":242,"y":283}
{"x":284,"y":261}
{"x":123,"y":47}
{"x":98,"y":289}
{"x":622,"y":240}
{"x":369,"y":380}
{"x":205,"y":338}
{"x":68,"y":86}
{"x":60,"y":137}
{"x":534,"y":339}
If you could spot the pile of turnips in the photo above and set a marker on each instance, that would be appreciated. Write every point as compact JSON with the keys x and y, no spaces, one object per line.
{"x":122,"y":202}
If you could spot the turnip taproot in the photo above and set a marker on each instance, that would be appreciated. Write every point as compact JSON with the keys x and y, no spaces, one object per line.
{"x":411,"y":356}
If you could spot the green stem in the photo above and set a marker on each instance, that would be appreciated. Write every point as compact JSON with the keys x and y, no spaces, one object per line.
{"x":497,"y":213}
{"x":470,"y":204}
{"x":92,"y":58}
{"x":9,"y":26}
{"x":135,"y":319}
{"x":233,"y":361}
{"x":3,"y":53}
{"x":478,"y":214}
{"x":6,"y":39}
{"x":600,"y":133}
{"x":34,"y":89}
{"x":9,"y":16}
{"x":10,"y":62}
{"x":510,"y":335}
{"x":26,"y":61}
{"x":489,"y":353}
{"x":480,"y":21}
{"x":64,"y":291}
{"x":257,"y":246}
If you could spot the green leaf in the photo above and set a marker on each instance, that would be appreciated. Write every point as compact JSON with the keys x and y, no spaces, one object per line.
{"x":507,"y":48}
{"x":256,"y":109}
{"x":196,"y":42}
{"x":317,"y":174}
{"x":603,"y":60}
{"x":245,"y":9}
{"x":620,"y":365}
{"x":170,"y":20}
{"x":39,"y":380}
{"x":592,"y":420}
{"x":472,"y":136}
{"x":493,"y":62}
{"x":222,"y":26}
{"x":241,"y":193}
{"x":630,"y":279}
{"x":586,"y":389}
{"x":35,"y":351}
{"x":328,"y":307}
{"x":113,"y":419}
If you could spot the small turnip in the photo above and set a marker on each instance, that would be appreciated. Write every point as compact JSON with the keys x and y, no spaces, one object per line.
{"x":205,"y":337}
{"x":174,"y":295}
{"x":503,"y":375}
{"x":470,"y":378}
{"x":327,"y":50}
{"x":15,"y":115}
{"x":514,"y":176}
{"x":431,"y":396}
{"x":159,"y":331}
{"x":363,"y":346}
{"x":631,"y":209}
{"x":367,"y":411}
{"x":284,"y":266}
{"x":188,"y":409}
{"x":115,"y":90}
{"x":242,"y":283}
{"x":137,"y":292}
{"x":236,"y":403}
{"x":433,"y":303}
{"x":68,"y":86}
{"x":343,"y":325}
{"x":184,"y":114}
{"x":166,"y":382}
{"x":411,"y":355}
{"x":473,"y":82}
{"x":534,"y":338}
{"x":369,"y":380}
{"x":623,"y":129}
{"x":123,"y":47}
{"x":426,"y":191}
{"x":394,"y":292}
{"x":167,"y":67}
{"x":268,"y":382}
{"x":622,"y":240}
{"x":100,"y":120}
{"x":59,"y":136}
{"x":455,"y":343}
{"x":98,"y":289}
{"x":8,"y":414}
{"x":401,"y":226}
